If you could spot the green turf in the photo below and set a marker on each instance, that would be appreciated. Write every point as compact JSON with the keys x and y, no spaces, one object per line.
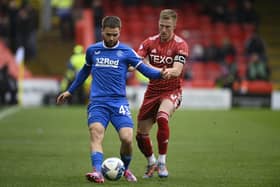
{"x":50,"y":147}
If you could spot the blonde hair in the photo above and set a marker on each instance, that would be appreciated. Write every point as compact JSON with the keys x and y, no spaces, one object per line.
{"x":168,"y":14}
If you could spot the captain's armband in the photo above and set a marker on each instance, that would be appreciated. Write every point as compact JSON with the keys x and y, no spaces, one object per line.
{"x":180,"y":58}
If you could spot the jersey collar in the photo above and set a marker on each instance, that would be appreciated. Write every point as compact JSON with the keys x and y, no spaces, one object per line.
{"x":111,"y":47}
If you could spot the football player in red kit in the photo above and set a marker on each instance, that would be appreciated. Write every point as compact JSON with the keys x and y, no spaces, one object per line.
{"x":162,"y":97}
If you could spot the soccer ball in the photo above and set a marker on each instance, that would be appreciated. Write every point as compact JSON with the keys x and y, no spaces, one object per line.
{"x":112,"y":168}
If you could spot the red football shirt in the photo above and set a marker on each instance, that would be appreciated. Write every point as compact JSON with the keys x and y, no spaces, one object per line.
{"x":162,"y":54}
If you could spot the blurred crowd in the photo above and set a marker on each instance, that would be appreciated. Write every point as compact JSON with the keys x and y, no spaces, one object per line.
{"x":232,"y":41}
{"x":18,"y":26}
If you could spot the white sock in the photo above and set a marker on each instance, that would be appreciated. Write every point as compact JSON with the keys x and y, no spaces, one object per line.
{"x":162,"y":159}
{"x":151,"y":160}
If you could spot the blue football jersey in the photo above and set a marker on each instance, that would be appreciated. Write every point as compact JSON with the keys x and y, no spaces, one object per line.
{"x":109,"y":68}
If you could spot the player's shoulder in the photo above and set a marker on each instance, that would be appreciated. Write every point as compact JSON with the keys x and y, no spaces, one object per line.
{"x":178,"y":39}
{"x":180,"y":42}
{"x":153,"y":38}
{"x":95,"y":46}
{"x":124,"y":46}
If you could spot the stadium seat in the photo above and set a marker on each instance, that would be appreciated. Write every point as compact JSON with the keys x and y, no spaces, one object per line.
{"x":242,"y":70}
{"x":198,"y":71}
{"x":249,"y":29}
{"x":214,"y":70}
{"x":205,"y":19}
{"x":235,"y":32}
{"x":257,"y":87}
{"x":199,"y":84}
{"x":191,"y":22}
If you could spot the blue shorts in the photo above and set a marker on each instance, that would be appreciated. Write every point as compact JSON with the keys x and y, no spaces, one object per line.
{"x":115,"y":111}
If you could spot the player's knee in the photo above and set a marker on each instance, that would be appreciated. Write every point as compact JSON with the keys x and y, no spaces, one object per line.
{"x":141,"y":138}
{"x":126,"y":141}
{"x":162,"y":119}
{"x":126,"y":138}
{"x":96,"y":132}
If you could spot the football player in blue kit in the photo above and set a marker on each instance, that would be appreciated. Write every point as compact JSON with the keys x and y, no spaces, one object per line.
{"x":108,"y":62}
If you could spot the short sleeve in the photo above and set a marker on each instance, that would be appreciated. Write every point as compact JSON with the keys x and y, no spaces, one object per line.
{"x":143,"y":49}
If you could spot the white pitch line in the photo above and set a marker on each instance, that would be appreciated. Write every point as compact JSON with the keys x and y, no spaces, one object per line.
{"x":9,"y":111}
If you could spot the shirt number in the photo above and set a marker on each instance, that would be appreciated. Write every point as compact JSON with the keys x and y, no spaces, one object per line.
{"x":124,"y":110}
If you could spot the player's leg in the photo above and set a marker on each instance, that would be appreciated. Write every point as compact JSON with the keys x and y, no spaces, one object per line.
{"x":146,"y":119}
{"x":122,"y":121}
{"x":165,"y":110}
{"x":97,"y":131}
{"x":143,"y":139}
{"x":145,"y":145}
{"x":167,"y":107}
{"x":126,"y":138}
{"x":98,"y":119}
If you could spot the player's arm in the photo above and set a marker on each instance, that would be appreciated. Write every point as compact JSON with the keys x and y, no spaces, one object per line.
{"x":79,"y":80}
{"x":151,"y":72}
{"x":83,"y":73}
{"x":142,"y":53}
{"x":176,"y":70}
{"x":137,"y":62}
{"x":146,"y":61}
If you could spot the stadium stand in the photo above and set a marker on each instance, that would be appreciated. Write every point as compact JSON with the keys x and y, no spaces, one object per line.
{"x":197,"y":27}
{"x":7,"y":58}
{"x":195,"y":24}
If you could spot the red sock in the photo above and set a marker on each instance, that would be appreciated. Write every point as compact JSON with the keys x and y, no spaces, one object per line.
{"x":163,"y":132}
{"x":144,"y":143}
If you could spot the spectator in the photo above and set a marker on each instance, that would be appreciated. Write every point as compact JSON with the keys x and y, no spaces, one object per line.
{"x":229,"y":72}
{"x":255,"y":44}
{"x":98,"y":14}
{"x":227,"y":49}
{"x":248,"y":14}
{"x":257,"y":68}
{"x":8,"y":87}
{"x":63,"y":9}
{"x":4,"y":22}
{"x":232,"y":14}
{"x":197,"y":52}
{"x":211,"y":51}
{"x":13,"y":11}
{"x":219,"y":13}
{"x":27,"y":25}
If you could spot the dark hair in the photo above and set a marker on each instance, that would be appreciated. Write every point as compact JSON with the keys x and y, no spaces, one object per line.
{"x":111,"y":21}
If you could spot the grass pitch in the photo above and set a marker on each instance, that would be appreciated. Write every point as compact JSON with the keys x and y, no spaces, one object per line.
{"x":50,"y":147}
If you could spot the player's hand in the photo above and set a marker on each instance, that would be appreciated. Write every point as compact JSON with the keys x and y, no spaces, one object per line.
{"x":131,"y":68}
{"x":63,"y":97}
{"x":165,"y":73}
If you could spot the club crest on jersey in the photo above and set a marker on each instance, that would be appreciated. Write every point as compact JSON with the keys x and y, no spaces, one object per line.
{"x":119,"y":53}
{"x":161,"y":59}
{"x":107,"y":62}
